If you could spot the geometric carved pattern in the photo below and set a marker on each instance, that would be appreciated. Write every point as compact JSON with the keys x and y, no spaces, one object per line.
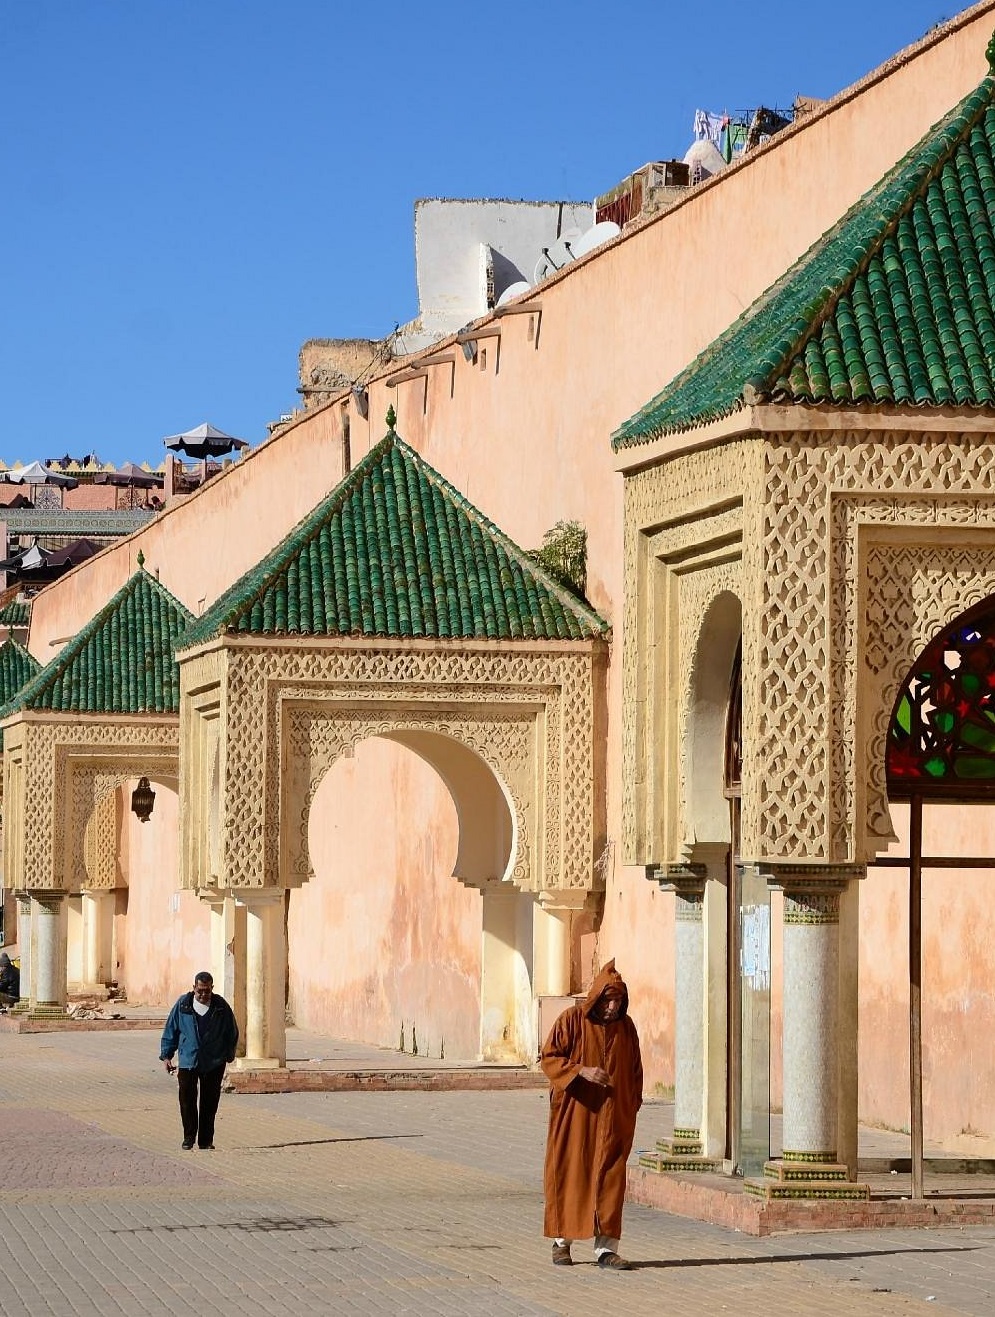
{"x":858,"y":547}
{"x":100,"y":845}
{"x":59,"y":768}
{"x":684,"y":519}
{"x":821,"y":498}
{"x":528,"y":710}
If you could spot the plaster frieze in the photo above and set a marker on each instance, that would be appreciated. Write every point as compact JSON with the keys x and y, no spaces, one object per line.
{"x":287,"y":712}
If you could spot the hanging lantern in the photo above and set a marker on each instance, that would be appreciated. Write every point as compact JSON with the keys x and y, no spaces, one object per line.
{"x":142,"y":800}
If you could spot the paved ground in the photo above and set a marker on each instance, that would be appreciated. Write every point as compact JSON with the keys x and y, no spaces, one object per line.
{"x":372,"y":1203}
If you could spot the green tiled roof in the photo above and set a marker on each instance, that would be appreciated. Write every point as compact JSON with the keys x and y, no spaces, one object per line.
{"x":17,"y":666}
{"x":121,"y":662}
{"x":16,"y":613}
{"x":894,"y":305}
{"x":395,"y":550}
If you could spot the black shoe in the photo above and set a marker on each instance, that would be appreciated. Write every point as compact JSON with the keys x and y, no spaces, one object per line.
{"x":561,"y":1256}
{"x":613,"y":1262}
{"x":187,"y":1144}
{"x":206,"y":1147}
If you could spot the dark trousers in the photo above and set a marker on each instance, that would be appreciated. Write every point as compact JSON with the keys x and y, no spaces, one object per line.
{"x":199,"y":1131}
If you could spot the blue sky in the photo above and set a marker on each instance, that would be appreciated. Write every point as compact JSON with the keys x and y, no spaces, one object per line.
{"x":192,"y":188}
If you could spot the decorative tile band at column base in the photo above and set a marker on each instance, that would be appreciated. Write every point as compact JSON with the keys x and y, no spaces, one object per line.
{"x":816,"y":1191}
{"x":787,"y":1172}
{"x":826,"y":1156}
{"x":663,"y":1163}
{"x":680,"y":1147}
{"x":53,"y":1012}
{"x":686,"y":1132}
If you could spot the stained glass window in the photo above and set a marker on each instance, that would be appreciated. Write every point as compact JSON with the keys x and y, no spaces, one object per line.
{"x":943,"y":727}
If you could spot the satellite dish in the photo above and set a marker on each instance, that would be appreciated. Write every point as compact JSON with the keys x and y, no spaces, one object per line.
{"x":587,"y":242}
{"x":556,"y":255}
{"x":513,"y":290}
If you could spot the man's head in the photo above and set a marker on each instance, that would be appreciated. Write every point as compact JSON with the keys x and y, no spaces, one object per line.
{"x":4,"y":960}
{"x":610,"y":1006}
{"x":203,"y":986}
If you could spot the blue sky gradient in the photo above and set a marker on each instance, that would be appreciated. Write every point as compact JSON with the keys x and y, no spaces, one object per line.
{"x":192,"y":188}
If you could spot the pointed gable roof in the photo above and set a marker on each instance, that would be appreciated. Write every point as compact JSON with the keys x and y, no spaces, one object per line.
{"x":396,"y":551}
{"x":894,"y":305}
{"x":122,"y":661}
{"x":17,"y":667}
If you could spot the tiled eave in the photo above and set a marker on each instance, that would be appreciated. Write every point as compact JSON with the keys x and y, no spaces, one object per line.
{"x":776,"y":418}
{"x":234,"y":640}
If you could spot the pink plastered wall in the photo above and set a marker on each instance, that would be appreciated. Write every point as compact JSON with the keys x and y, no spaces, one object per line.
{"x":166,"y":937}
{"x":383,"y":938}
{"x":958,"y":1006}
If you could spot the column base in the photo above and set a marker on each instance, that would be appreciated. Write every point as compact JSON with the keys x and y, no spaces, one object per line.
{"x":815,"y":1181}
{"x":663,"y":1162}
{"x":257,"y":1063}
{"x":54,"y":1012}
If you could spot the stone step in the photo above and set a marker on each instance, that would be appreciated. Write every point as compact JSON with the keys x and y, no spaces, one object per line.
{"x":681,"y":1147}
{"x":662,"y":1162}
{"x":834,"y":1191}
{"x":789,"y":1172}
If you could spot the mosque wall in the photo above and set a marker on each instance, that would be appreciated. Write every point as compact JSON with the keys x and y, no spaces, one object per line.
{"x":524,"y":432}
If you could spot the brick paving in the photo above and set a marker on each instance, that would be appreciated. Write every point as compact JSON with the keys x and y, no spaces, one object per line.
{"x":373,"y":1203}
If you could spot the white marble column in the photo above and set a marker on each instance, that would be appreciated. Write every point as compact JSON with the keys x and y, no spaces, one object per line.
{"x":811,"y":1016}
{"x":98,"y":918}
{"x":507,"y":1027}
{"x":265,"y":979}
{"x":228,"y":952}
{"x":554,"y":915}
{"x":48,"y":952}
{"x":689,"y":1006}
{"x":24,"y":947}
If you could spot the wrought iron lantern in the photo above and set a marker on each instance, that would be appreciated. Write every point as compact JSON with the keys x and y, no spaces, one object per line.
{"x":142,"y":800}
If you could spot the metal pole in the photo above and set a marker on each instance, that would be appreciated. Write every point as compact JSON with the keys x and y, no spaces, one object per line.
{"x":915,"y":990}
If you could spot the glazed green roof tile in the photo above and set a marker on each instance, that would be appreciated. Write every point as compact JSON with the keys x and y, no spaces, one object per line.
{"x":894,"y":305}
{"x":16,"y":613}
{"x":396,"y":551}
{"x":17,"y":667}
{"x":122,"y":661}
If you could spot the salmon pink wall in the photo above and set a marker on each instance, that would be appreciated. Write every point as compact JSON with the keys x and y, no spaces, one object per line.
{"x":166,"y":937}
{"x":958,"y":1011}
{"x":383,"y":937}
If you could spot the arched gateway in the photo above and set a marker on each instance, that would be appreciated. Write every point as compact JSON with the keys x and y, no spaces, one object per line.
{"x":396,"y":610}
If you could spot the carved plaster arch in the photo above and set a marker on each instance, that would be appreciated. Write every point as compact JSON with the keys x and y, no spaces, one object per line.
{"x":90,"y":786}
{"x":914,"y":591}
{"x":706,"y":701}
{"x":502,"y":742}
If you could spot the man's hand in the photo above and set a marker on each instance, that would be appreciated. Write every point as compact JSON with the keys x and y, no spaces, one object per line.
{"x":170,"y":1066}
{"x":595,"y":1075}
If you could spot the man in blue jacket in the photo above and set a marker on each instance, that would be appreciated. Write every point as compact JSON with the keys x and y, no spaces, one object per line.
{"x":202,"y":1028}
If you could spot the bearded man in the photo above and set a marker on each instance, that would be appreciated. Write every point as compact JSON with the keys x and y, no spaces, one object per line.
{"x":592,"y":1061}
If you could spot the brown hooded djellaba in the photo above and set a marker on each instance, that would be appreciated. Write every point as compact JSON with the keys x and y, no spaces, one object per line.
{"x":590,"y":1128}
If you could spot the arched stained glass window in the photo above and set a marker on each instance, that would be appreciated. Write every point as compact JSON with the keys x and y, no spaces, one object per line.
{"x":943,"y":727}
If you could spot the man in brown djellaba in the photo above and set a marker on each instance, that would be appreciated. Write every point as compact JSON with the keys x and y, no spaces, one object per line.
{"x":592,"y":1061}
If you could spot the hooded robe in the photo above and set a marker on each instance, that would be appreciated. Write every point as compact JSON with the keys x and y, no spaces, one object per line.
{"x":590,"y":1128}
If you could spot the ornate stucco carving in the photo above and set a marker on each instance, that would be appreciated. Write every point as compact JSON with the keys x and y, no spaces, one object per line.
{"x":856,"y":549}
{"x":100,"y":845}
{"x":57,"y":772}
{"x":530,"y":713}
{"x":684,"y":546}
